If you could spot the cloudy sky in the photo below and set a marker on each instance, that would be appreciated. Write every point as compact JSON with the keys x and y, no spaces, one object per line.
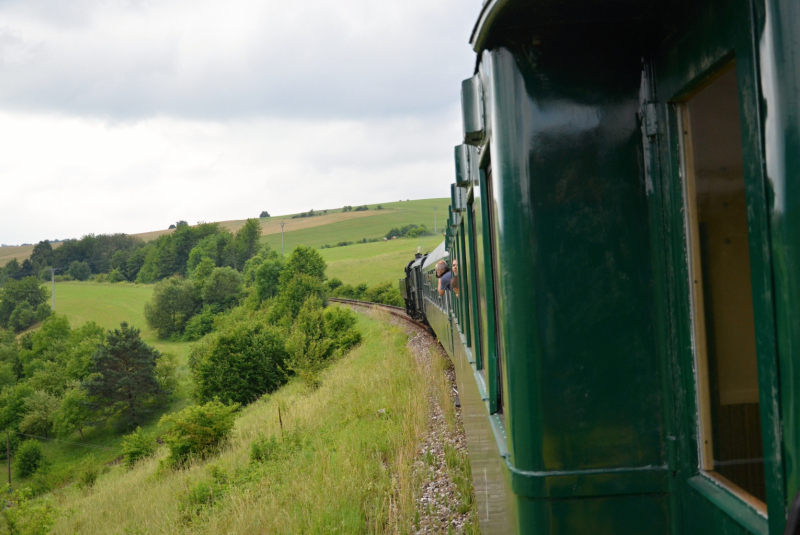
{"x":127,"y":115}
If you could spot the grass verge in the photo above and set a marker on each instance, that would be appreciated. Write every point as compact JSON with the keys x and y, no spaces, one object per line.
{"x":340,"y":462}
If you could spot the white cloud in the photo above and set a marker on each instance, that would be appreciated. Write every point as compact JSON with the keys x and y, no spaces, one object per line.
{"x":124,"y":116}
{"x":73,"y":176}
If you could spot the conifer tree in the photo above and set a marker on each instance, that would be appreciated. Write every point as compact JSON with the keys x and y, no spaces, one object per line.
{"x":123,"y":377}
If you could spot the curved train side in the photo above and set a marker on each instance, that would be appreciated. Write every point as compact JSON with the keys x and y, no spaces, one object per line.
{"x":626,"y":221}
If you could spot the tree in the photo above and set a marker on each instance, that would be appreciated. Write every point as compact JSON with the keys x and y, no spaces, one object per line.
{"x":23,"y":317}
{"x":79,"y":270}
{"x":264,"y":214}
{"x":240,"y":363}
{"x":306,"y":261}
{"x":293,"y":294}
{"x":246,"y":242}
{"x":174,"y":302}
{"x":74,"y":412}
{"x":268,"y":277}
{"x":123,"y":378}
{"x":171,"y":227}
{"x":15,"y":292}
{"x":40,"y":409}
{"x":223,"y":288}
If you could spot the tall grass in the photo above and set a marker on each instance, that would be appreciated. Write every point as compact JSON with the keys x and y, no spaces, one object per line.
{"x":341,"y":461}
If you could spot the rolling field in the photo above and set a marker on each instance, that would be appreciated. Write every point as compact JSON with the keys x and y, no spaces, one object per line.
{"x":108,"y":305}
{"x":374,"y":225}
{"x":375,"y":263}
{"x":334,"y":227}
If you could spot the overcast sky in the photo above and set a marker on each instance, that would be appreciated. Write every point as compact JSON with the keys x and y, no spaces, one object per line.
{"x":125,"y":116}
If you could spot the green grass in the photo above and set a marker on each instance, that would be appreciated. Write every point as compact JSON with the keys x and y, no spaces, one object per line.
{"x":343,"y":463}
{"x":375,"y":225}
{"x":375,"y":263}
{"x":108,"y":305}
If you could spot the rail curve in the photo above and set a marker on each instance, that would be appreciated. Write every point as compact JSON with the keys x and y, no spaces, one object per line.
{"x":399,"y":312}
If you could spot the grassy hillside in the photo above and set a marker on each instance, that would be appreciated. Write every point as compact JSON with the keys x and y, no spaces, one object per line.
{"x":342,"y":463}
{"x":110,"y":304}
{"x":374,"y":225}
{"x":334,"y":227}
{"x":377,"y":262}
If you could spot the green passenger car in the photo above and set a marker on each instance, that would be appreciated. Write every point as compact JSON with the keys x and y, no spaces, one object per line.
{"x":626,"y":224}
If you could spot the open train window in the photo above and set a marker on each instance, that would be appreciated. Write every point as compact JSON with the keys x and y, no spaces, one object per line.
{"x":492,"y":252}
{"x":730,"y":446}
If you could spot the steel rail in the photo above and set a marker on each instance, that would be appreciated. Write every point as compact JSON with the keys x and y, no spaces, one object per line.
{"x":399,"y":312}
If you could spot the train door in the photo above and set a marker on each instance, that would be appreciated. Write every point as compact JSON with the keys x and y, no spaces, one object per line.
{"x":725,"y":392}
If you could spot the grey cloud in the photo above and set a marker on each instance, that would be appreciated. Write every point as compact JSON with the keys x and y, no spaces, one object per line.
{"x":301,"y":59}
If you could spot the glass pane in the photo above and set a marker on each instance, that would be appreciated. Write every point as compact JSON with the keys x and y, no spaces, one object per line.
{"x":723,"y":300}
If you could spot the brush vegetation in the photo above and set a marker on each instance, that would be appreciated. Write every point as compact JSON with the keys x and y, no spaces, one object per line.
{"x":336,"y":458}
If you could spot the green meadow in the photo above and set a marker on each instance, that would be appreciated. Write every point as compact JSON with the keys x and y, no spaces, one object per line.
{"x":374,"y":225}
{"x":108,"y":305}
{"x":377,"y":262}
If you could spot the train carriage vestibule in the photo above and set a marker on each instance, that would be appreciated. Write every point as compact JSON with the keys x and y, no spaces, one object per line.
{"x":724,"y":333}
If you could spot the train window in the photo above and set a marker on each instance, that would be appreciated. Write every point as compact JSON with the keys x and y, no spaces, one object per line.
{"x":492,"y":227}
{"x":463,"y":282}
{"x":476,"y":292}
{"x":722,"y":300}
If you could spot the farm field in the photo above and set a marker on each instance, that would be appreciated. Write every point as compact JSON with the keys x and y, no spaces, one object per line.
{"x":334,"y":227}
{"x":375,"y":263}
{"x":376,"y":225}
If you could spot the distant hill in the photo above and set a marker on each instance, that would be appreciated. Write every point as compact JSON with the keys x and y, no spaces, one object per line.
{"x":330,"y":228}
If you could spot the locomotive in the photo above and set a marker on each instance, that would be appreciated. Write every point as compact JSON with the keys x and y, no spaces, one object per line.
{"x":626,"y":220}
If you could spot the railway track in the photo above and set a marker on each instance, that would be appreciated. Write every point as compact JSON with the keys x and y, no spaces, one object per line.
{"x":399,"y":312}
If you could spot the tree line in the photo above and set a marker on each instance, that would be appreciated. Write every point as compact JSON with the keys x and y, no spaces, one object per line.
{"x":121,"y":257}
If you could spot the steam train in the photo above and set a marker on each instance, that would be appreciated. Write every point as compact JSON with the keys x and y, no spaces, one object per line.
{"x":626,"y":220}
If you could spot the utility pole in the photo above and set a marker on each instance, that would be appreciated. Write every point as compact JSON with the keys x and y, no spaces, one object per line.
{"x":282,"y":224}
{"x":434,"y":220}
{"x":53,"y":280}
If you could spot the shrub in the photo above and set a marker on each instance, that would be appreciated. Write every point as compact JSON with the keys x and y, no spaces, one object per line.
{"x":29,"y":458}
{"x":334,"y":283}
{"x":116,"y":276}
{"x":43,"y":311}
{"x":22,"y":317}
{"x":166,"y":374}
{"x":340,"y":326}
{"x":198,"y":430}
{"x":88,"y":476}
{"x":79,"y":270}
{"x":137,"y":445}
{"x":200,"y":325}
{"x":239,"y":363}
{"x":386,"y":293}
{"x":22,"y":515}
{"x":309,"y":346}
{"x":263,"y":449}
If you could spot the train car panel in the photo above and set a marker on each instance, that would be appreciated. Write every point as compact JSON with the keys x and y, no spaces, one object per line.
{"x":624,"y":219}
